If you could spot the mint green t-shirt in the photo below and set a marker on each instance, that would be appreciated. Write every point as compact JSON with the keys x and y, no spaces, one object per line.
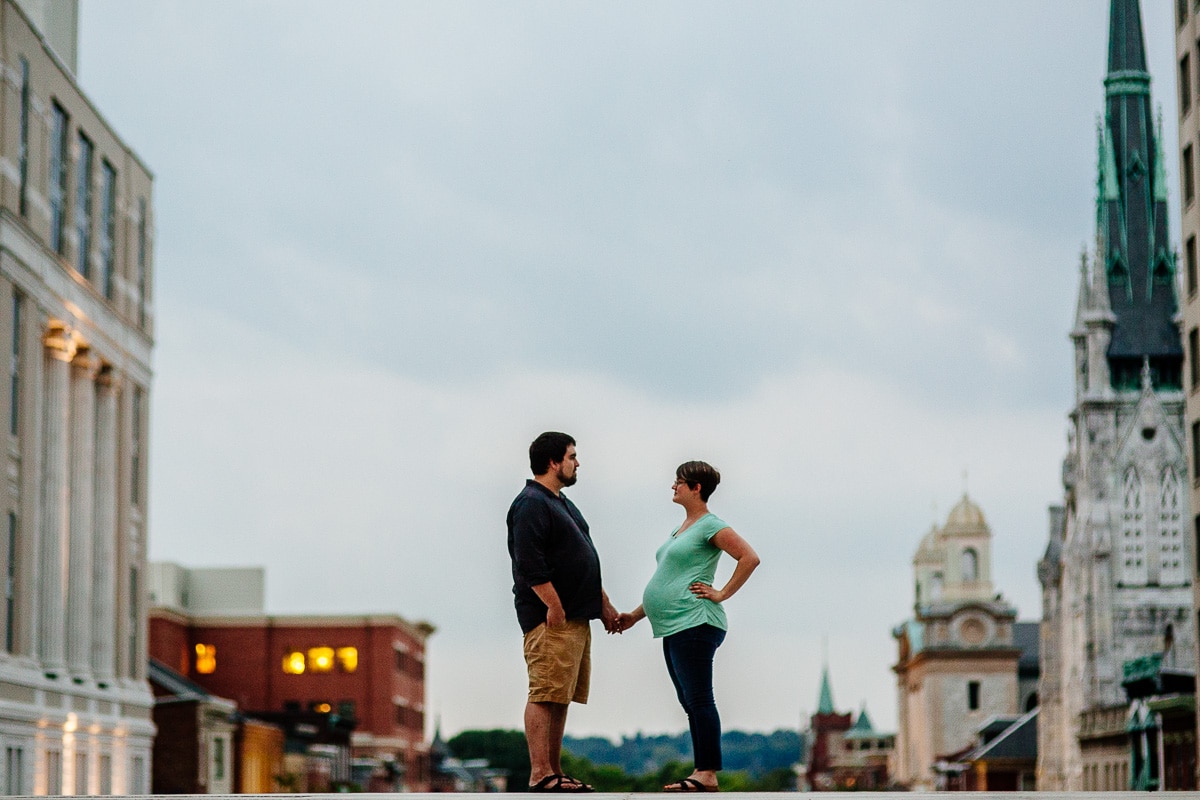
{"x":683,"y":559}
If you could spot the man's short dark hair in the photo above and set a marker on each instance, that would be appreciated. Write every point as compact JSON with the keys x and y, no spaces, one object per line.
{"x":550,"y":446}
{"x":698,"y":473}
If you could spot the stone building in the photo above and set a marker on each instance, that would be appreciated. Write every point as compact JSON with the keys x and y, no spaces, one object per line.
{"x":76,"y":334}
{"x":959,"y":657}
{"x":1115,"y":576}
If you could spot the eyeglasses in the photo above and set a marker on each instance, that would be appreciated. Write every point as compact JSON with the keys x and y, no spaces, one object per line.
{"x":680,"y":482}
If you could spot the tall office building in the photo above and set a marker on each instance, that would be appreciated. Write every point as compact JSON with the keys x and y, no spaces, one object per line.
{"x":1116,"y":583}
{"x":1187,"y":53}
{"x":76,"y":327}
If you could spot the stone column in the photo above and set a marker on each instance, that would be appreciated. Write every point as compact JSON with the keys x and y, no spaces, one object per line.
{"x":104,"y":565}
{"x":82,"y":494}
{"x":60,"y":349}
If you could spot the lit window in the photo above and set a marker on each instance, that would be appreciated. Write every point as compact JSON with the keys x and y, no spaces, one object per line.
{"x":293,"y":663}
{"x":320,"y":659}
{"x":206,"y":658}
{"x":347,"y":658}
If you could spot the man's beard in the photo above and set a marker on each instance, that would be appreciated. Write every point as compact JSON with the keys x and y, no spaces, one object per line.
{"x":564,"y":480}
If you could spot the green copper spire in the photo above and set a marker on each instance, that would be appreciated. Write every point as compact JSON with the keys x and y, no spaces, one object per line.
{"x":1132,"y":221}
{"x":863,"y":723}
{"x":825,"y":704}
{"x":1160,"y":166}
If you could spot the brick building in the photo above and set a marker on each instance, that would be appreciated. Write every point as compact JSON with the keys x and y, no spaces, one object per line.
{"x":366,"y":672}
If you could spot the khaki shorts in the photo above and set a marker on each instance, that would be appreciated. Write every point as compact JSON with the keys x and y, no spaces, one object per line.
{"x":559,"y":662}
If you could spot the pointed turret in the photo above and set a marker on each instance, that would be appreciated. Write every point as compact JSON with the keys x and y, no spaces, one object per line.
{"x":863,"y":723}
{"x":825,"y":703}
{"x":1137,"y":258}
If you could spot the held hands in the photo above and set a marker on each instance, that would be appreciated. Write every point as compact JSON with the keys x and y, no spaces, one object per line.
{"x":706,"y":592}
{"x":609,"y":616}
{"x":626,"y":621}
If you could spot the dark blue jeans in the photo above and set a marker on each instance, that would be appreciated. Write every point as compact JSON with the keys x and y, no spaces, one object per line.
{"x":689,"y":655}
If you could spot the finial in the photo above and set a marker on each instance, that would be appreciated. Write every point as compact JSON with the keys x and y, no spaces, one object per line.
{"x":1147,"y":383}
{"x":965,"y":475}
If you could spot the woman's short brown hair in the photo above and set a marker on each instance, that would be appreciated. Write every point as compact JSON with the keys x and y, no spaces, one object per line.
{"x":699,"y":473}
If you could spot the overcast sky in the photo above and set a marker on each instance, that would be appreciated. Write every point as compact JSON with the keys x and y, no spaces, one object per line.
{"x":831,"y":247}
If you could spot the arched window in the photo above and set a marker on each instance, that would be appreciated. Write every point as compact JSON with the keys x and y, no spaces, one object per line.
{"x":1171,"y":567}
{"x":1132,"y":565}
{"x":970,"y":565}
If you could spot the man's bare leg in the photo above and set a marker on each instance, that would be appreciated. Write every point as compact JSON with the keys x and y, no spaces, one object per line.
{"x":545,"y":724}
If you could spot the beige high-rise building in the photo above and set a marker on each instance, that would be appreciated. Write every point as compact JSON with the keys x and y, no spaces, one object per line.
{"x":76,"y":334}
{"x":1187,"y":81}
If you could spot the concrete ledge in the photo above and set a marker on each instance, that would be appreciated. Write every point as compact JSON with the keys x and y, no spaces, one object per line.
{"x":660,"y":795}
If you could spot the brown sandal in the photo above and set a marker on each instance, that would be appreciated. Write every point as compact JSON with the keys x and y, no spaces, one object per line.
{"x":689,"y":785}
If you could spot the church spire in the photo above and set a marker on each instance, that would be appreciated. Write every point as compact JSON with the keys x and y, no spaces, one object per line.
{"x":1126,"y":47}
{"x":825,"y":704}
{"x":1138,"y":262}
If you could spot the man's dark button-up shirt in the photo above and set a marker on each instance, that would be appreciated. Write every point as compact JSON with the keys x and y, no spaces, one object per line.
{"x":548,"y":540}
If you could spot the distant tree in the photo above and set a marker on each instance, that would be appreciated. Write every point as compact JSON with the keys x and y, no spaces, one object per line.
{"x":503,"y":749}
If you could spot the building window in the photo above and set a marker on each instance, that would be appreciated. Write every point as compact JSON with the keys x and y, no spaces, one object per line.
{"x":23,"y":144}
{"x":1189,"y":188}
{"x":14,"y":771}
{"x":83,"y":206}
{"x":218,"y":761}
{"x":1196,"y":528}
{"x":970,"y":565}
{"x":1181,"y":12}
{"x":135,"y":448}
{"x":1185,"y":85}
{"x":973,"y":695}
{"x":320,"y":659}
{"x":134,"y":621}
{"x":1195,"y":452}
{"x":57,"y":180}
{"x":206,"y":659}
{"x":1132,"y":566}
{"x":108,"y":227}
{"x":105,"y":774}
{"x":1193,"y":355}
{"x":293,"y":663}
{"x":141,"y":261}
{"x":1173,"y":569}
{"x":138,"y":783}
{"x":53,"y":772}
{"x":10,"y":587}
{"x":14,"y":367}
{"x":347,"y":659}
{"x":1190,"y":256}
{"x":81,"y":773}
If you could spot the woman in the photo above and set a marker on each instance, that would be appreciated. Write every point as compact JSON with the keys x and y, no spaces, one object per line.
{"x":685,"y":612}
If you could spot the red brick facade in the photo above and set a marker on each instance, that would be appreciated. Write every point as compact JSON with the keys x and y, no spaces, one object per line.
{"x":384,"y":691}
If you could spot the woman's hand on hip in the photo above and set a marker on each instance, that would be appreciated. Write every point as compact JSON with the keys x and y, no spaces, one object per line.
{"x":706,"y":592}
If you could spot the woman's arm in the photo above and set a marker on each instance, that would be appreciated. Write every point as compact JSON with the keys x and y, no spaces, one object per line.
{"x":629,"y":619}
{"x":747,"y":560}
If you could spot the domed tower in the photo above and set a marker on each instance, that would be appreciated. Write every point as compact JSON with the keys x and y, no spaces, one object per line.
{"x":957,"y":662}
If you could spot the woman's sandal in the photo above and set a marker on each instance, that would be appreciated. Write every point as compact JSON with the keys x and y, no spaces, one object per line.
{"x":689,"y":785}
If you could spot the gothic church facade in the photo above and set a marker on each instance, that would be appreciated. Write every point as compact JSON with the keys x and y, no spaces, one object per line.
{"x":1115,"y":577}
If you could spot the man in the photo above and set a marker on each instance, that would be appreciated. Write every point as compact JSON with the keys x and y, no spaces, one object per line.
{"x":557,"y":591}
